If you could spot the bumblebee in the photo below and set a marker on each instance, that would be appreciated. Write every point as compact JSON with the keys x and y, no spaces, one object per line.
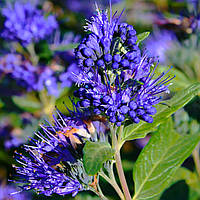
{"x":72,"y":134}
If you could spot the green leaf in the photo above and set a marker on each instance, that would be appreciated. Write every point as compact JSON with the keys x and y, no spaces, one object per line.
{"x":127,"y":165}
{"x":180,"y":99}
{"x":64,"y":47}
{"x":27,"y":102}
{"x":180,"y":190}
{"x":95,"y":154}
{"x":159,"y":160}
{"x":192,"y":180}
{"x":65,"y":100}
{"x":4,"y":157}
{"x":142,"y":36}
{"x":81,"y":196}
{"x":193,"y":195}
{"x":180,"y":82}
{"x":43,"y":51}
{"x":1,"y":103}
{"x":15,"y":119}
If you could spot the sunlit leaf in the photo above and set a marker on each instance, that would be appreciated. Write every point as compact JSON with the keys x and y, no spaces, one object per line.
{"x":27,"y":102}
{"x":159,"y":160}
{"x":179,"y":100}
{"x":142,"y":36}
{"x":1,"y":103}
{"x":64,"y":47}
{"x":95,"y":154}
{"x":4,"y":157}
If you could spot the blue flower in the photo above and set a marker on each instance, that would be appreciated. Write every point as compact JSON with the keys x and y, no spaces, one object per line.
{"x":83,"y":5}
{"x":29,"y":76}
{"x":160,"y":43}
{"x":36,"y":174}
{"x":22,"y":71}
{"x":57,"y":42}
{"x":48,"y":79}
{"x":68,"y":78}
{"x":10,"y":136}
{"x":25,"y":23}
{"x":117,"y":80}
{"x":10,"y":192}
{"x":110,"y":44}
{"x":54,"y":157}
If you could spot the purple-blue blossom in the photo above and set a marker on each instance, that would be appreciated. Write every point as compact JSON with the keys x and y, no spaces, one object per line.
{"x":20,"y":70}
{"x":159,"y":43}
{"x":66,"y":77}
{"x":28,"y":76}
{"x":48,"y":80}
{"x":83,"y":5}
{"x":117,"y":78}
{"x":11,"y":136}
{"x":53,"y":161}
{"x":10,"y":192}
{"x":25,"y":23}
{"x":36,"y":174}
{"x":8,"y":137}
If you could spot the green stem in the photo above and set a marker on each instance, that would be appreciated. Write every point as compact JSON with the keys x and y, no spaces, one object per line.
{"x":112,"y":135}
{"x":120,"y":141}
{"x":113,"y":183}
{"x":112,"y":176}
{"x":34,"y":57}
{"x":195,"y":155}
{"x":48,"y":103}
{"x":99,"y":193}
{"x":121,"y":175}
{"x":120,"y":170}
{"x":120,"y":133}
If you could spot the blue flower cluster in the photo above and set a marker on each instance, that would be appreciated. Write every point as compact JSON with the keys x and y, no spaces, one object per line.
{"x":43,"y":178}
{"x":83,"y":5}
{"x":11,"y":136}
{"x":10,"y":192}
{"x":117,"y":82}
{"x":9,"y":139}
{"x":25,"y":23}
{"x":66,"y":77}
{"x":54,"y":161}
{"x":29,"y":76}
{"x":160,"y":43}
{"x":117,"y":79}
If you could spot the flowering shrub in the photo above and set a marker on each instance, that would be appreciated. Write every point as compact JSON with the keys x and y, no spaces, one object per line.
{"x":118,"y":99}
{"x":102,"y":88}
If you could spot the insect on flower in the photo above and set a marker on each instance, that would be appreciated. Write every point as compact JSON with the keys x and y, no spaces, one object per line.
{"x":74,"y":135}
